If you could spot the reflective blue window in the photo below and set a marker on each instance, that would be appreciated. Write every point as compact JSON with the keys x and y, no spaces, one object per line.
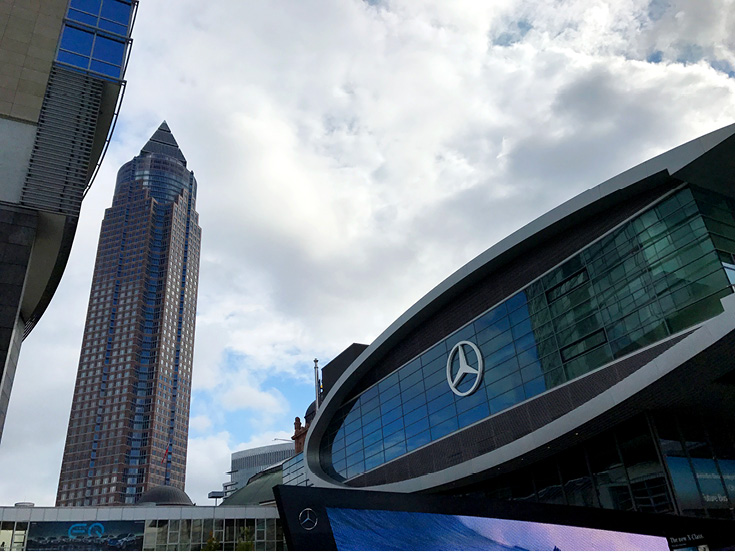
{"x":77,"y":41}
{"x":95,"y":36}
{"x":108,"y":50}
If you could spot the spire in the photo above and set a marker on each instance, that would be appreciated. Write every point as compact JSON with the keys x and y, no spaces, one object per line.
{"x":164,"y":142}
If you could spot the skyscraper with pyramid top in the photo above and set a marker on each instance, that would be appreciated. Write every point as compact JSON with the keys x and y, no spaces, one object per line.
{"x":129,"y":420}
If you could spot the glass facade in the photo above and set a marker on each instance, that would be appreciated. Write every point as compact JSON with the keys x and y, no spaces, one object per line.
{"x":653,"y":276}
{"x":95,"y":36}
{"x":294,"y":472}
{"x":208,"y":533}
{"x":13,"y":535}
{"x":663,"y":462}
{"x":214,"y":534}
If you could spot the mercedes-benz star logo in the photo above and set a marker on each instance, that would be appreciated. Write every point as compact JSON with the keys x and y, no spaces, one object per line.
{"x":308,"y":519}
{"x":464,"y":368}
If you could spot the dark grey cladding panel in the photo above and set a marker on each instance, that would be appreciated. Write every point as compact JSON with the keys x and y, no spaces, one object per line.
{"x":507,"y":274}
{"x":336,"y":367}
{"x":714,"y":170}
{"x":510,"y":425}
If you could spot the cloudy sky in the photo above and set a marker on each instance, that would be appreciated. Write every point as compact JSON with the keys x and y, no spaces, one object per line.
{"x":351,"y":155}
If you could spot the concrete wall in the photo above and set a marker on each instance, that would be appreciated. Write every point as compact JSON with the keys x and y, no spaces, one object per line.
{"x":29,"y":32}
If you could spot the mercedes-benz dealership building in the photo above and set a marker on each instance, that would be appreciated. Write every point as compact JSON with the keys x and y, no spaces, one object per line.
{"x":587,"y":359}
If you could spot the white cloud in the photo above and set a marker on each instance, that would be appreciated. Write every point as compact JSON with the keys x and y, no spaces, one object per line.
{"x":349,"y":157}
{"x":200,"y":423}
{"x":208,"y":458}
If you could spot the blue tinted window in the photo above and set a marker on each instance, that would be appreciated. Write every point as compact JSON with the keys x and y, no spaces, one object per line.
{"x":374,"y":447}
{"x":507,"y":400}
{"x":490,"y":318}
{"x":389,"y":392}
{"x":116,"y":11}
{"x":354,"y":458}
{"x":414,"y":403}
{"x":372,"y":425}
{"x":515,"y":302}
{"x":417,"y":427}
{"x":444,"y":428}
{"x":506,"y":384}
{"x":369,"y":404}
{"x":500,"y":356}
{"x":391,"y":428}
{"x":91,"y":6}
{"x":500,"y":371}
{"x":415,"y":415}
{"x":491,"y":332}
{"x":518,"y":316}
{"x":73,"y":59}
{"x":445,"y":399}
{"x":531,"y":371}
{"x":534,"y":387}
{"x":111,"y":51}
{"x":353,"y":437}
{"x":388,"y":382}
{"x":409,"y":369}
{"x":395,"y":451}
{"x":442,"y":415}
{"x":354,"y":447}
{"x":433,"y":353}
{"x":435,"y":378}
{"x":412,"y":380}
{"x":113,"y":27}
{"x":465,"y":403}
{"x":390,"y":404}
{"x":441,"y":388}
{"x":374,"y":461}
{"x":371,"y":393}
{"x":391,"y":416}
{"x":356,"y":469}
{"x":474,"y":414}
{"x":373,"y":437}
{"x":371,"y":416}
{"x":522,"y":328}
{"x":78,"y":41}
{"x":418,"y":440}
{"x":81,"y":17}
{"x":105,"y":69}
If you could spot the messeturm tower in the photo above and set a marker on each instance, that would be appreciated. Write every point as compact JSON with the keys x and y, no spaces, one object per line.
{"x":128,"y":427}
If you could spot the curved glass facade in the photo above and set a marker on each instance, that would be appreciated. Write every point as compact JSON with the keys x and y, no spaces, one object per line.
{"x":164,"y":176}
{"x":651,"y":277}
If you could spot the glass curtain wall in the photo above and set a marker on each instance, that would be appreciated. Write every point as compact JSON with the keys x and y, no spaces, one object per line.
{"x":214,"y":534}
{"x":663,"y":462}
{"x":653,"y":276}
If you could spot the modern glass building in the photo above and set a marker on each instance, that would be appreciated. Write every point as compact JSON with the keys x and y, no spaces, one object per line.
{"x":63,"y":64}
{"x":246,"y":463}
{"x":141,"y":528}
{"x":586,"y":359}
{"x":129,"y":421}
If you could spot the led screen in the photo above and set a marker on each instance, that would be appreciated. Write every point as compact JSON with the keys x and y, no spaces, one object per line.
{"x":395,"y":530}
{"x":91,"y":535}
